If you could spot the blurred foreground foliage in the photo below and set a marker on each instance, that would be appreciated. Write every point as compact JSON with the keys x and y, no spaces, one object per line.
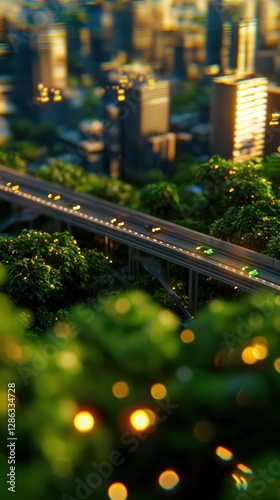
{"x":214,"y":398}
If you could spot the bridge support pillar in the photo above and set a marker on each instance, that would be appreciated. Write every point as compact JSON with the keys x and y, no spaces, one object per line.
{"x":192,"y":292}
{"x":133,"y":265}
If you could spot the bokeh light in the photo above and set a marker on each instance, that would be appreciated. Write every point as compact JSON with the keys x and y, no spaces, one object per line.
{"x":244,"y":469}
{"x":248,"y":355}
{"x":122,"y":305}
{"x":187,"y":336}
{"x":140,"y":420}
{"x":224,"y":453}
{"x":68,"y":360}
{"x":84,"y":421}
{"x":276,"y":364}
{"x":168,"y":479}
{"x":117,"y":491}
{"x":260,"y":351}
{"x":120,"y":389}
{"x":158,"y":391}
{"x":184,"y":373}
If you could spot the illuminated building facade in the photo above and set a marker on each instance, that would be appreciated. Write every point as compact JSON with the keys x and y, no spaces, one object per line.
{"x":238,"y":116}
{"x":50,"y":65}
{"x":272,"y":142}
{"x":144,"y":111}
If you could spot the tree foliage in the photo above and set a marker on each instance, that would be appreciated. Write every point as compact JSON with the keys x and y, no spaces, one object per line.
{"x":49,"y":272}
{"x":66,"y":174}
{"x":216,"y":393}
{"x":160,"y":199}
{"x":114,"y":190}
{"x":255,"y":226}
{"x":12,"y":159}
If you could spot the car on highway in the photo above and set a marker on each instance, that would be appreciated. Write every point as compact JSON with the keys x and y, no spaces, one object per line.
{"x":204,"y":249}
{"x":13,"y":187}
{"x":117,"y":222}
{"x":74,"y":207}
{"x":153,"y":229}
{"x":54,"y":197}
{"x":250,"y":271}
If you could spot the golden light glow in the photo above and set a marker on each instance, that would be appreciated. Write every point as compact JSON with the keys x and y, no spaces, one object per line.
{"x":187,"y":336}
{"x":276,"y":364}
{"x":224,"y":453}
{"x":238,"y":483}
{"x":117,"y":491}
{"x":248,"y":355}
{"x":140,"y":420}
{"x":122,"y":305}
{"x":244,"y":468}
{"x":151,"y":415}
{"x":68,"y":360}
{"x":168,"y":479}
{"x":84,"y":421}
{"x":260,"y":351}
{"x":158,"y":391}
{"x":120,"y":389}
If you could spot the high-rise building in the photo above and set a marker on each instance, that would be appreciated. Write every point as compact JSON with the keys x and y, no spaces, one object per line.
{"x":238,"y":116}
{"x":272,"y":142}
{"x":144,"y":110}
{"x":50,"y":65}
{"x":214,"y":30}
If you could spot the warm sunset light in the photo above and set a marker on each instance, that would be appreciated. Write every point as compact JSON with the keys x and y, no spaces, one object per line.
{"x":168,"y":479}
{"x":158,"y":391}
{"x":84,"y":421}
{"x":117,"y":491}
{"x":140,"y":420}
{"x":224,"y":453}
{"x":120,"y":389}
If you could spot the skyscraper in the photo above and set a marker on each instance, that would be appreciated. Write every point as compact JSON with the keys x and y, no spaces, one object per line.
{"x":144,"y":111}
{"x":238,"y":116}
{"x":273,"y":119}
{"x":50,"y":65}
{"x":214,"y":29}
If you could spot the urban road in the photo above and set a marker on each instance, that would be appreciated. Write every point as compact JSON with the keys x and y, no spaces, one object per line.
{"x":173,"y":243}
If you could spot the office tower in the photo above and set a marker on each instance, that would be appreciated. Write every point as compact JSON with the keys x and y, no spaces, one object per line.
{"x":214,"y":29}
{"x":6,"y":110}
{"x":73,"y":26}
{"x":267,"y":12}
{"x":247,"y":39}
{"x":179,"y":62}
{"x":160,"y":152}
{"x":94,"y":15}
{"x":50,"y":64}
{"x":144,"y":110}
{"x":24,"y":75}
{"x":238,"y":116}
{"x":100,"y":37}
{"x":5,"y":49}
{"x":272,"y":142}
{"x":123,"y":29}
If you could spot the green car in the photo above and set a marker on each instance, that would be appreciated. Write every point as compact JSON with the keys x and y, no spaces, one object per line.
{"x":250,"y":270}
{"x":204,"y":249}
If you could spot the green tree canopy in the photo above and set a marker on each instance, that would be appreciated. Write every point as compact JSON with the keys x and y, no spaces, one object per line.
{"x":12,"y":159}
{"x":216,"y":378}
{"x":255,"y":226}
{"x":160,"y":199}
{"x":66,"y":174}
{"x":49,"y":272}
